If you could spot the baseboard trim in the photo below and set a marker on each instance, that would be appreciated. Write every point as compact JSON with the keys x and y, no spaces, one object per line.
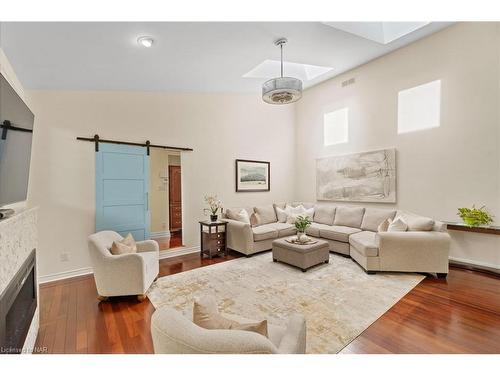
{"x":474,"y":265}
{"x":164,"y":254}
{"x":159,"y":234}
{"x":64,"y":275}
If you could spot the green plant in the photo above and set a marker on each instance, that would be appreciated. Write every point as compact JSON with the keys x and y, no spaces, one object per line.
{"x":475,"y":217}
{"x":302,"y":223}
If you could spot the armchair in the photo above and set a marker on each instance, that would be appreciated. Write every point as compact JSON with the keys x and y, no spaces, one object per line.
{"x":173,"y":333}
{"x":126,"y":274}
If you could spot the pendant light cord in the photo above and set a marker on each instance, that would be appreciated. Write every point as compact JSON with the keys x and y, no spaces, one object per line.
{"x":281,"y":48}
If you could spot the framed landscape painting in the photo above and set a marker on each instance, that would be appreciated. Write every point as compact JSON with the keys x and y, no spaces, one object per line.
{"x":253,"y":175}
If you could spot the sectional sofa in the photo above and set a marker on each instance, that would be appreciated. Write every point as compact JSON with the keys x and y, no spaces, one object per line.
{"x":351,"y":231}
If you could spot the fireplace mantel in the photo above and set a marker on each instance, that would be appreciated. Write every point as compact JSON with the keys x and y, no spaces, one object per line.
{"x":18,"y":238}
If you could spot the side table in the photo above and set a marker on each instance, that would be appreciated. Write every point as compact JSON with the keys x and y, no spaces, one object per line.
{"x":213,"y":238}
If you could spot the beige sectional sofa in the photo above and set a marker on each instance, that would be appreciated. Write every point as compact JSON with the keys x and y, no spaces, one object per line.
{"x":352,"y":231}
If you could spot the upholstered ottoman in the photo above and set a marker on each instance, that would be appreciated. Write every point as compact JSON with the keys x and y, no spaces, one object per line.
{"x":302,"y":256}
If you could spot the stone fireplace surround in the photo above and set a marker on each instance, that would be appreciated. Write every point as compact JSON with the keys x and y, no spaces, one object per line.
{"x":18,"y":238}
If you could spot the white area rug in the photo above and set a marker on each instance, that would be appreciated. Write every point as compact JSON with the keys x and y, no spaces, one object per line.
{"x":338,"y":299}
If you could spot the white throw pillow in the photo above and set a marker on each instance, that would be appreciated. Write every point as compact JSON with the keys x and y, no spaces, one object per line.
{"x":294,"y":210}
{"x":243,"y":216}
{"x":397,"y":225}
{"x":290,"y":219}
{"x":282,"y":214}
{"x":309,"y":213}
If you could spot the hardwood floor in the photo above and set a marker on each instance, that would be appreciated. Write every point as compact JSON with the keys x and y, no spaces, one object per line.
{"x":457,"y":315}
{"x":172,"y":242}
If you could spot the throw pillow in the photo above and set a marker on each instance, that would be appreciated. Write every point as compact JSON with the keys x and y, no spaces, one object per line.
{"x":125,"y":246}
{"x":243,"y":216}
{"x":309,"y":212}
{"x":290,"y":219}
{"x":281,"y":214}
{"x":254,"y":220}
{"x":384,"y":226}
{"x":206,"y":315}
{"x":397,"y":225}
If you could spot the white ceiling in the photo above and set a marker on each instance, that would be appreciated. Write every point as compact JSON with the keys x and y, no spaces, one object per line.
{"x":186,"y":57}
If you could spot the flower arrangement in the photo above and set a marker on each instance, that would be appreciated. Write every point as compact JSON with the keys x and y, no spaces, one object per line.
{"x":214,"y":205}
{"x":475,"y":217}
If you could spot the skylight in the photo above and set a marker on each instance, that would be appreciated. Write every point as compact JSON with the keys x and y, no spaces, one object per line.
{"x":380,"y":32}
{"x":271,"y":69}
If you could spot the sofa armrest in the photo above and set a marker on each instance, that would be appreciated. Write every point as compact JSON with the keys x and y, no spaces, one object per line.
{"x":294,"y":339}
{"x":239,"y":236}
{"x":148,"y":245}
{"x":417,"y":251}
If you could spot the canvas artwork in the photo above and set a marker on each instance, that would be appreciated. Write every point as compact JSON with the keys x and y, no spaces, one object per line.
{"x":252,"y":175}
{"x":362,"y":177}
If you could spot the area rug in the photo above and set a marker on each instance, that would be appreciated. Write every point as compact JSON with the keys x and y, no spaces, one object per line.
{"x":339,"y":300}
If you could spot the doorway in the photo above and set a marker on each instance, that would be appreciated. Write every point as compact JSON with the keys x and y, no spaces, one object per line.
{"x":166,"y":198}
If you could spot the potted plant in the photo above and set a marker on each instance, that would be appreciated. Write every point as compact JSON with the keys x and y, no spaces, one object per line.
{"x":301,"y":224}
{"x":213,"y":206}
{"x":475,"y":217}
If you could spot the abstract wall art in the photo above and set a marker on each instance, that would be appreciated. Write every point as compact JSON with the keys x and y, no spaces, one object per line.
{"x":361,"y":177}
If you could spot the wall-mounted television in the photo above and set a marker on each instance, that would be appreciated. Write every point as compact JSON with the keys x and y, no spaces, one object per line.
{"x":16,"y":130}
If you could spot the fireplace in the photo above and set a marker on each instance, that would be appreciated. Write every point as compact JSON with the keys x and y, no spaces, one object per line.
{"x":17,"y":306}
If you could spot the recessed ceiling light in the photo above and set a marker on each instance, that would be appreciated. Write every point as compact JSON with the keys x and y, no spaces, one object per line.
{"x":145,"y":41}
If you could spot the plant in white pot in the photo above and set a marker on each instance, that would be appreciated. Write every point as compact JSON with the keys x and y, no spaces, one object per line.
{"x":301,"y":224}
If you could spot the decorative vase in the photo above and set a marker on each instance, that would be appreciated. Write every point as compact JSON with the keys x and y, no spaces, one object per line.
{"x":301,"y":237}
{"x":213,"y":217}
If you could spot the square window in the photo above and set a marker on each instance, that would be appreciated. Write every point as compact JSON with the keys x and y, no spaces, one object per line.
{"x":419,"y":107}
{"x":336,"y":127}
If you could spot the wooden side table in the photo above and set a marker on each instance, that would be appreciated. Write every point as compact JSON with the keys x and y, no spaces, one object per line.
{"x":213,"y":238}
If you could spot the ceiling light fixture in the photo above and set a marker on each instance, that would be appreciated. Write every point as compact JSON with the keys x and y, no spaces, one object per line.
{"x":145,"y":41}
{"x":282,"y":90}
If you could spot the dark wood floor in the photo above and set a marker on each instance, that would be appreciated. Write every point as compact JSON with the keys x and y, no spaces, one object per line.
{"x":457,"y":315}
{"x":172,"y":242}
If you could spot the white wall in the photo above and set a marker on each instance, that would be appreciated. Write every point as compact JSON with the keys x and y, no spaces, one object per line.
{"x":455,"y":165}
{"x":220,"y":128}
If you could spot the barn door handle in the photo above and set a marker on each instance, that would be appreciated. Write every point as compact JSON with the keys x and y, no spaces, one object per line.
{"x":147,"y":201}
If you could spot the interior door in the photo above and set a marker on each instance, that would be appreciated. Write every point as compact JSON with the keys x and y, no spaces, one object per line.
{"x":175,"y":198}
{"x":122,"y":190}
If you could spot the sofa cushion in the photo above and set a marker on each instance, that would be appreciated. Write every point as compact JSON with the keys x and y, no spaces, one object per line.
{"x":349,"y":216}
{"x":365,"y":243}
{"x":264,"y":232}
{"x":324,"y":214}
{"x":416,"y":222}
{"x":337,"y":232}
{"x":373,"y":217}
{"x":283,"y":229}
{"x":266,"y":214}
{"x":314,"y":229}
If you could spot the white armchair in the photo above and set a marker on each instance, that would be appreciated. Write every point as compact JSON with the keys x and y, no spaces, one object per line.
{"x":126,"y":274}
{"x":173,"y":333}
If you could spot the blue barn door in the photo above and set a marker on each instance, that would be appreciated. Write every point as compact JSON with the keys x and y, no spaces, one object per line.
{"x":122,"y":190}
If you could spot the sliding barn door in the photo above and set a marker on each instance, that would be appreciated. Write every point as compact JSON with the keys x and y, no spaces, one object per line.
{"x":122,"y":190}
